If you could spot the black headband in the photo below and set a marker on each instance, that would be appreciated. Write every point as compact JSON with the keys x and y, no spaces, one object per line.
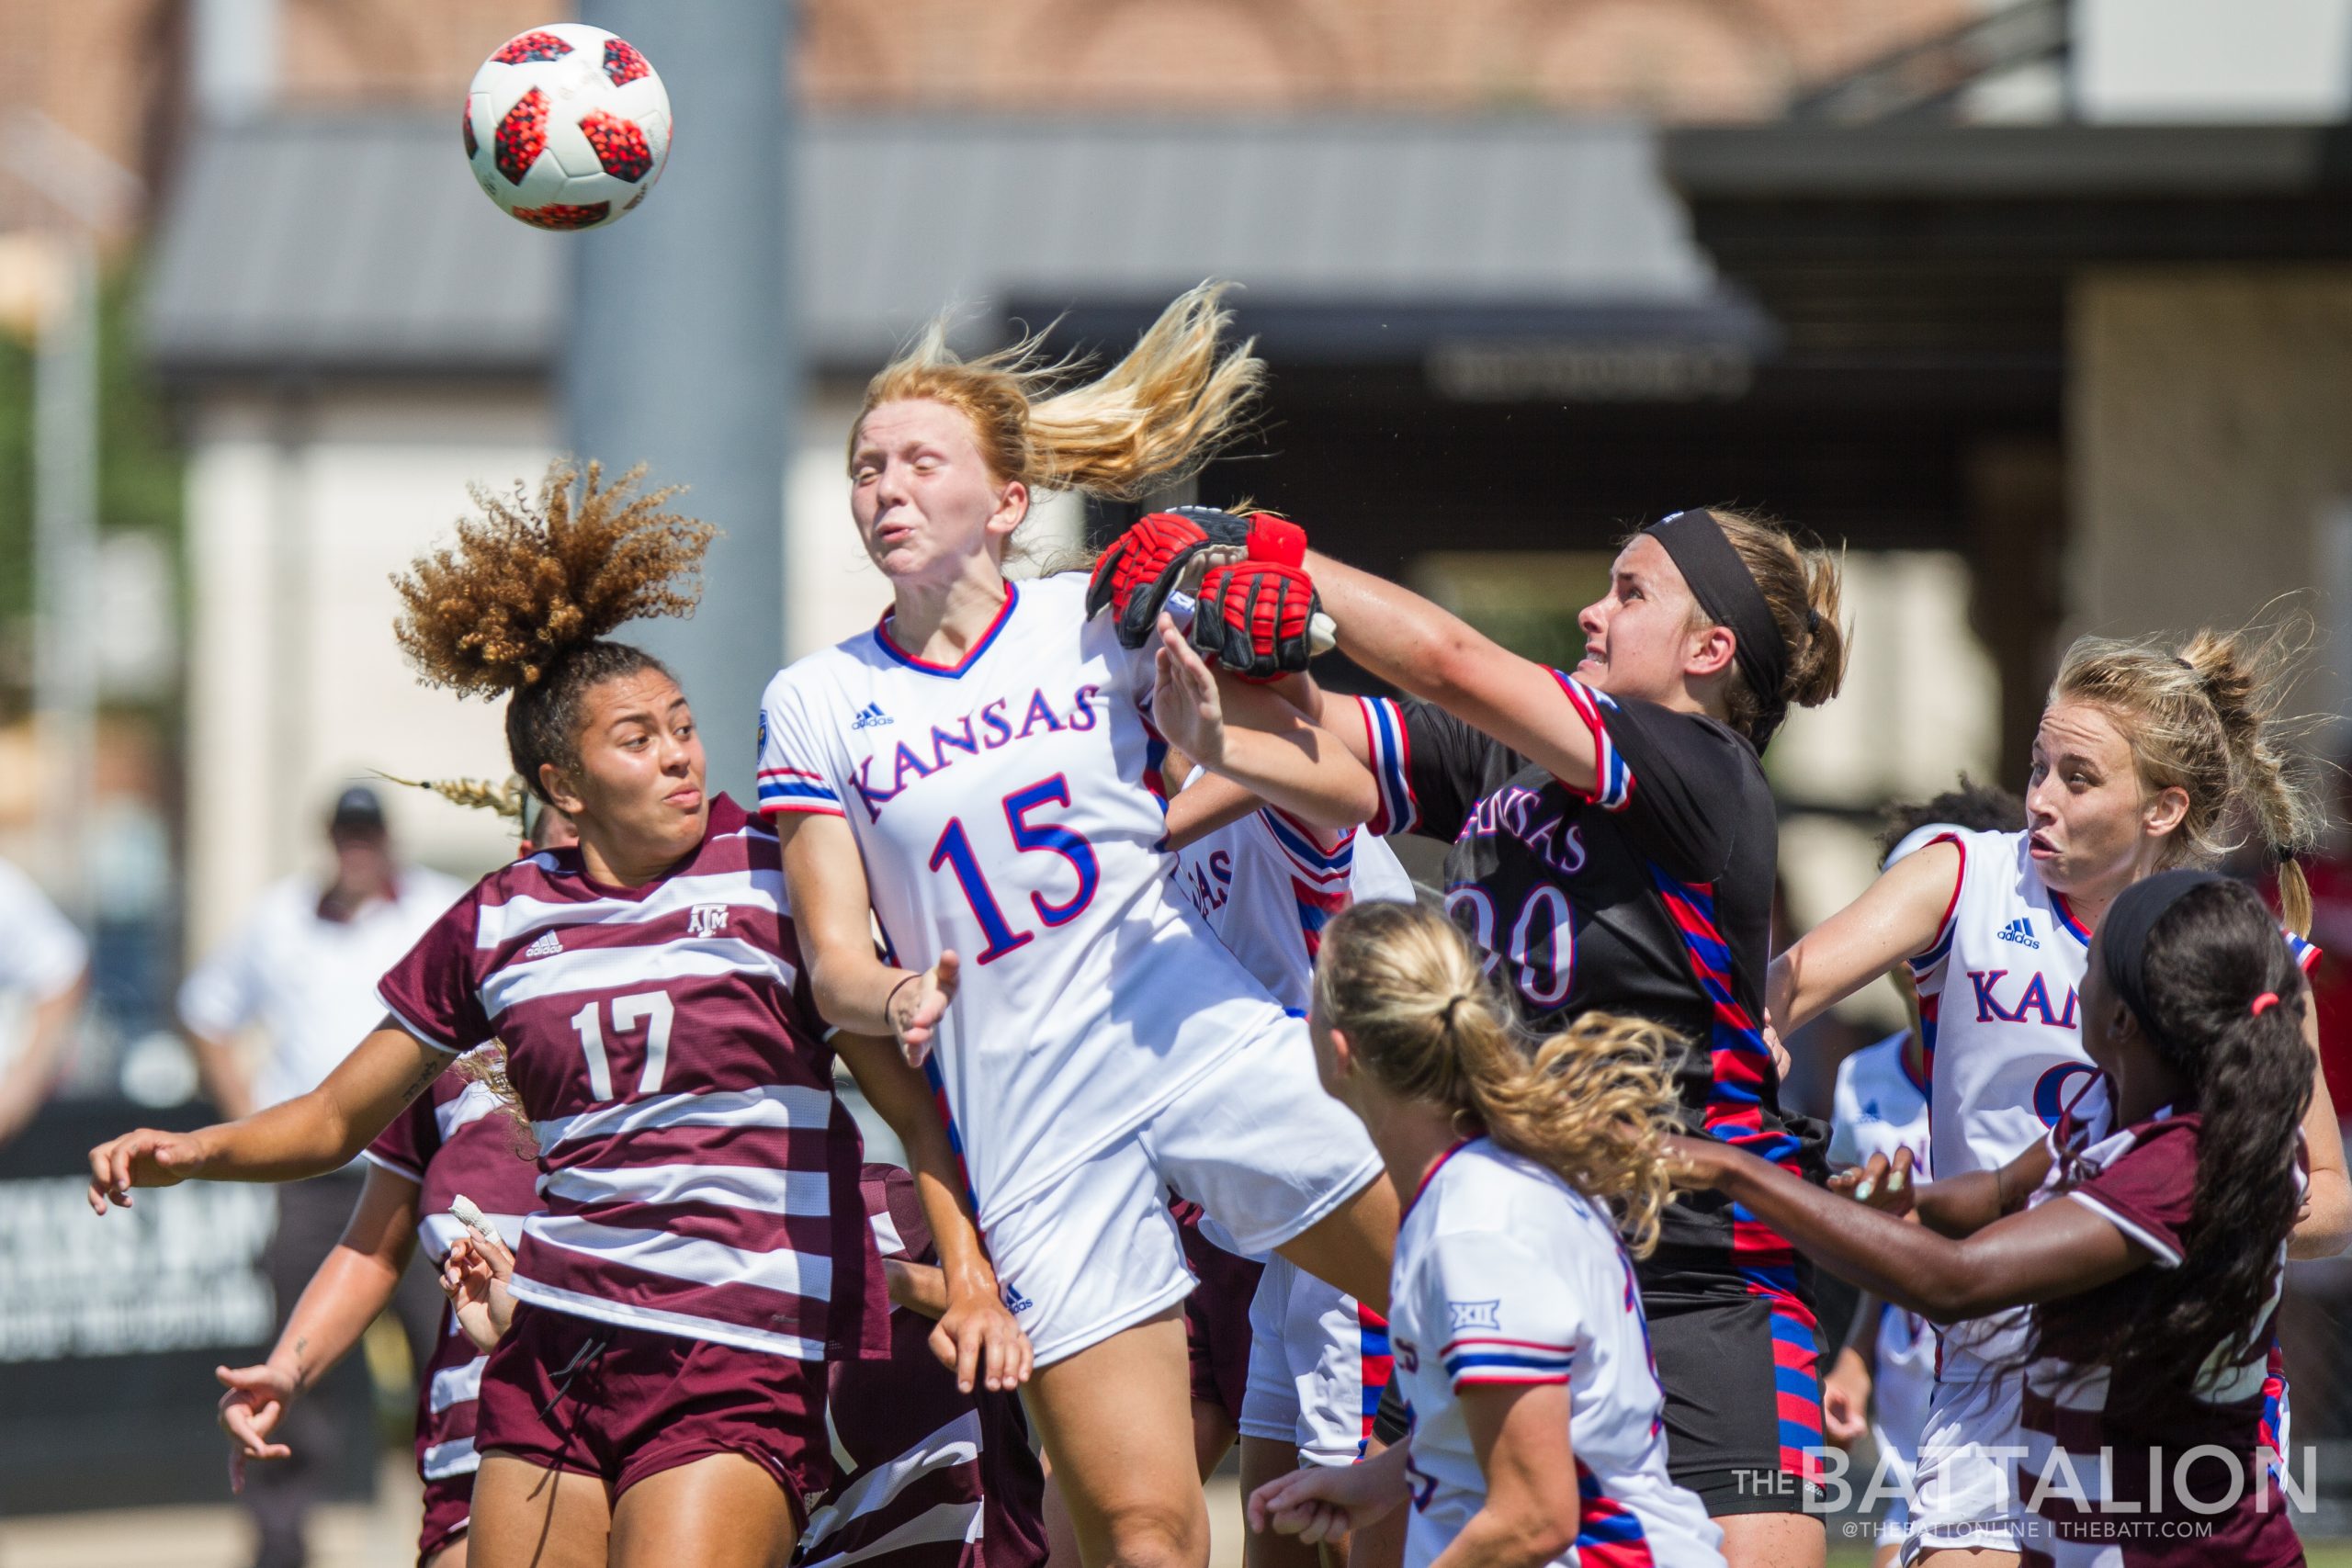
{"x":2123,"y":935}
{"x":1727,"y":591}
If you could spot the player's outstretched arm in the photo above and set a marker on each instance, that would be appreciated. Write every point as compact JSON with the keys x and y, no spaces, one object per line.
{"x":1258,"y":740}
{"x":308,"y":1135}
{"x":354,"y":1283}
{"x":976,"y":1338}
{"x":1418,"y":646}
{"x":2057,"y":1249}
{"x":2323,"y":1225}
{"x":1213,"y":801}
{"x":832,"y":914}
{"x":1896,"y":916}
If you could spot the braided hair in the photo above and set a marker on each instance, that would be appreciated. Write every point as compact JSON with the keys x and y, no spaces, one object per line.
{"x":2213,"y":959}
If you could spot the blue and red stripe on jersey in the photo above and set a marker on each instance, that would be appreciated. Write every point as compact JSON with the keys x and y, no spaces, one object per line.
{"x":1929,"y":1006}
{"x":1924,"y":963}
{"x":1613,"y":780}
{"x":1609,"y":1534}
{"x":798,"y":789}
{"x":1736,"y":1045}
{"x":1474,"y":1360}
{"x":1796,"y":1381}
{"x":2274,"y":1401}
{"x":1378,"y":1363}
{"x":1320,"y":880}
{"x":2066,"y":921}
{"x":1390,"y":749}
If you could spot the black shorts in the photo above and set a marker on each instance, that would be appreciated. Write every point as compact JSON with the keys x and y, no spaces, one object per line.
{"x":1743,"y":1397}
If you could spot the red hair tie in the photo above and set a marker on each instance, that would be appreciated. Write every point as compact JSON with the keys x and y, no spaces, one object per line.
{"x":2267,"y":999}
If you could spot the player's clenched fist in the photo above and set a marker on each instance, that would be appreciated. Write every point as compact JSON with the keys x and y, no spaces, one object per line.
{"x":144,"y":1158}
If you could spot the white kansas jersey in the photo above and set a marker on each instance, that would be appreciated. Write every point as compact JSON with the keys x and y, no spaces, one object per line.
{"x":1882,"y":1107}
{"x":1001,"y":809}
{"x":1998,"y":1002}
{"x":1505,"y":1274}
{"x":1267,"y":887}
{"x":1998,"y":1008}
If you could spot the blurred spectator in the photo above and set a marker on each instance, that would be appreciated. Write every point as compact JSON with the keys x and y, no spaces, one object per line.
{"x":45,"y":961}
{"x":303,"y":972}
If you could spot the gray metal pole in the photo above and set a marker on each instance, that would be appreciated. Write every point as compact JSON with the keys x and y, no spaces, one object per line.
{"x":677,"y":350}
{"x":65,"y":541}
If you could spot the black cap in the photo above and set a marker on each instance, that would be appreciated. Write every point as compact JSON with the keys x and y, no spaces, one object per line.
{"x":356,"y":809}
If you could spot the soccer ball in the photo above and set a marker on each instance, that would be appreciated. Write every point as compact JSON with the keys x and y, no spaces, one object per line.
{"x":567,"y":126}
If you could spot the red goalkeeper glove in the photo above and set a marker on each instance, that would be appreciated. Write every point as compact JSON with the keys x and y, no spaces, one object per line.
{"x":1260,"y":620}
{"x":1169,"y":552}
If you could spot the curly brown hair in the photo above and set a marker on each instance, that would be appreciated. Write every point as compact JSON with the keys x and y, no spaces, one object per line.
{"x":520,"y":606}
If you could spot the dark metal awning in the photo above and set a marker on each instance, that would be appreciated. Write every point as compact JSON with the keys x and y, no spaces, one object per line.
{"x":315,"y":246}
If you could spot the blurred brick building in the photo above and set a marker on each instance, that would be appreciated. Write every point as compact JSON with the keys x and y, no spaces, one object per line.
{"x":115,"y":74}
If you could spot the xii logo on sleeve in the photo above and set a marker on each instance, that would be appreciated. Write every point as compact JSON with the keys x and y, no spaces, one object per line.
{"x":1460,"y":1315}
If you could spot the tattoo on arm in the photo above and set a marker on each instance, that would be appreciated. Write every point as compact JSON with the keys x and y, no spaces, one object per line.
{"x":424,"y":1078}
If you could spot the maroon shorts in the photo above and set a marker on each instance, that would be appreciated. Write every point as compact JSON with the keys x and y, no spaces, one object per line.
{"x":448,"y":1503}
{"x":623,"y":1403}
{"x":1216,"y":1315}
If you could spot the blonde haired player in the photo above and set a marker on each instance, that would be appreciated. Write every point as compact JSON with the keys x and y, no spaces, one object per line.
{"x":2146,"y":752}
{"x":976,"y":774}
{"x":1538,"y":1433}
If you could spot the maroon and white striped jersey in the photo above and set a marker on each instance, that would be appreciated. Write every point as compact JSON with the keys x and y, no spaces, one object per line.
{"x":697,"y":1176}
{"x":931,"y":1477}
{"x":456,"y":1138}
{"x":2191,"y":1484}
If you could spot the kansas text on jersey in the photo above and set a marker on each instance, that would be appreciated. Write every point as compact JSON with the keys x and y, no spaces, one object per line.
{"x":1650,"y":894}
{"x":1003,"y":811}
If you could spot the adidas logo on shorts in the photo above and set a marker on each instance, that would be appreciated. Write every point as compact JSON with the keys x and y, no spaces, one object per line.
{"x":547,"y":946}
{"x":1014,"y":1299}
{"x":2020,"y":930}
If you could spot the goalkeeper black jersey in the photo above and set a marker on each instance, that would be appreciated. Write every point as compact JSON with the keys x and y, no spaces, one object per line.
{"x":1650,"y":894}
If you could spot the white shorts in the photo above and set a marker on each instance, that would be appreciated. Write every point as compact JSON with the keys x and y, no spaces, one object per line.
{"x":1898,"y":1469}
{"x":1307,"y":1346}
{"x":1964,"y":1486}
{"x":1254,"y":1141}
{"x":1899,"y":1409}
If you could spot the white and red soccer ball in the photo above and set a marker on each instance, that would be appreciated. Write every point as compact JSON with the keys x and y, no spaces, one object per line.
{"x":567,"y":126}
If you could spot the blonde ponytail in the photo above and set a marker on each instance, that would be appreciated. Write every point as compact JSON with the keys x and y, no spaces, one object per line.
{"x":2205,"y":716}
{"x":1594,"y":1106}
{"x":1150,"y":420}
{"x":1591,"y":1104}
